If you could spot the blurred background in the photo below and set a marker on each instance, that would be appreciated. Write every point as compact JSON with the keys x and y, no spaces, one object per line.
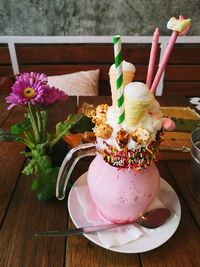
{"x":93,"y":17}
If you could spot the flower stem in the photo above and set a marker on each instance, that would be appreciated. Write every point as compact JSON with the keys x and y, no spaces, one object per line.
{"x":38,"y":120}
{"x":44,"y":128}
{"x":34,"y":124}
{"x":39,"y":123}
{"x":56,"y":139}
{"x":28,"y":140}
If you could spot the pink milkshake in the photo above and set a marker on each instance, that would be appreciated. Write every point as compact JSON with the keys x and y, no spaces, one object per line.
{"x":122,"y":195}
{"x":123,"y":179}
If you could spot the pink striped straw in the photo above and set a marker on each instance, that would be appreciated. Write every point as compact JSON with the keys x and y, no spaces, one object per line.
{"x":164,"y":61}
{"x":152,"y":58}
{"x":165,"y":58}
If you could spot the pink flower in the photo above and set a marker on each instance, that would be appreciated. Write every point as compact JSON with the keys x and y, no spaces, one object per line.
{"x":33,"y":88}
{"x":51,"y":95}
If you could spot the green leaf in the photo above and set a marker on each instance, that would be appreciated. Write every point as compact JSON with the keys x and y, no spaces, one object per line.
{"x":29,"y":169}
{"x":35,"y":185}
{"x":63,"y":128}
{"x":20,"y":127}
{"x":7,"y":136}
{"x":15,"y":129}
{"x":45,"y":185}
{"x":84,"y":124}
{"x":41,"y":149}
{"x":40,"y":165}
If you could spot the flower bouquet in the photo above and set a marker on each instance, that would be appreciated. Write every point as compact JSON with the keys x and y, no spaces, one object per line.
{"x":32,"y":91}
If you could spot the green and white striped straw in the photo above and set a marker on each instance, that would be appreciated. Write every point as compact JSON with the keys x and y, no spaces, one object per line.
{"x":119,"y":77}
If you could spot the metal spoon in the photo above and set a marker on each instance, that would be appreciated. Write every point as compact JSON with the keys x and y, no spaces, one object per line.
{"x":151,"y":219}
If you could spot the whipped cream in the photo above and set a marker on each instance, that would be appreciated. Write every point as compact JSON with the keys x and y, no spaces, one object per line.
{"x":152,"y":122}
{"x":138,"y":91}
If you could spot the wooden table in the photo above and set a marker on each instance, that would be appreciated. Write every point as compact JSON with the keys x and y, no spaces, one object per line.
{"x":21,"y":214}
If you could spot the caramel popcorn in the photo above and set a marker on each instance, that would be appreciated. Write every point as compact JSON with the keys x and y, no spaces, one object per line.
{"x":88,"y":110}
{"x":101,"y":111}
{"x":103,"y":130}
{"x":141,"y":136}
{"x":122,"y":138}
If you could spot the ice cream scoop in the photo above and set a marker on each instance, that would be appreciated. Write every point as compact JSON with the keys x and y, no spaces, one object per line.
{"x":137,"y":99}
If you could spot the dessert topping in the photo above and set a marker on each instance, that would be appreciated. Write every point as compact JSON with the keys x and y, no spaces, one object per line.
{"x":141,"y":136}
{"x":179,"y":25}
{"x":103,"y":130}
{"x":101,"y":111}
{"x":122,"y":138}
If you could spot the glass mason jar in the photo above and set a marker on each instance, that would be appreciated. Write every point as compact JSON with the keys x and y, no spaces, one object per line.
{"x":120,"y":194}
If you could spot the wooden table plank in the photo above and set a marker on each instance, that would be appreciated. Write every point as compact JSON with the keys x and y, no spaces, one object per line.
{"x":26,"y":215}
{"x":173,"y":101}
{"x":181,"y":172}
{"x":11,"y":163}
{"x":92,"y":100}
{"x":59,"y":112}
{"x":4,"y":112}
{"x":182,"y":249}
{"x":82,"y":252}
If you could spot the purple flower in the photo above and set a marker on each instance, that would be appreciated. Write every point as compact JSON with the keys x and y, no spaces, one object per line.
{"x":51,"y":95}
{"x":28,"y":88}
{"x":33,"y":88}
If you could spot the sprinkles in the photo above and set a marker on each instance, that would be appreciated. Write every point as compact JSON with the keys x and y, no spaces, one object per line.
{"x":137,"y":159}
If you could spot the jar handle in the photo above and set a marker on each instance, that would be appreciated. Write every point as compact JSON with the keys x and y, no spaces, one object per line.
{"x":68,"y":164}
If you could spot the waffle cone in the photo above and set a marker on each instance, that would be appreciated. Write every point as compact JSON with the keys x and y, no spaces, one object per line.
{"x":127,"y":78}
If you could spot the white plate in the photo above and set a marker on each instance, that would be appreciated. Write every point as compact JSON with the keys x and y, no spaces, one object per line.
{"x":145,"y":242}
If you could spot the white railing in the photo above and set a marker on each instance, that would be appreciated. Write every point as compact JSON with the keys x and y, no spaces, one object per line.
{"x":11,"y":41}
